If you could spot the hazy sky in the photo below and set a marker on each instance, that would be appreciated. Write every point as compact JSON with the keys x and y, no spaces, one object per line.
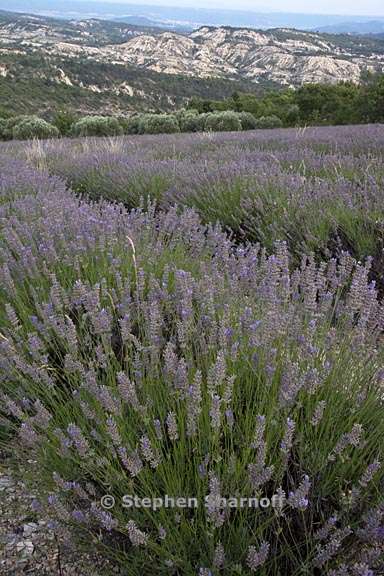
{"x":363,"y":7}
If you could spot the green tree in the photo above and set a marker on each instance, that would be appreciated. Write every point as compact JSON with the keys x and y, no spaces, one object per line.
{"x":64,"y":120}
{"x":372,"y":100}
{"x":237,"y":106}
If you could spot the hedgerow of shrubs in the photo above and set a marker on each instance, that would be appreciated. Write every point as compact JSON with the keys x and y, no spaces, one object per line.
{"x":65,"y":124}
{"x":191,"y":120}
{"x":158,"y":124}
{"x":97,"y":126}
{"x":268,"y":122}
{"x":130,"y":125}
{"x":33,"y":127}
{"x":192,"y":123}
{"x":223,"y":122}
{"x":3,"y":128}
{"x":7,"y":127}
{"x":248,"y":121}
{"x":64,"y":120}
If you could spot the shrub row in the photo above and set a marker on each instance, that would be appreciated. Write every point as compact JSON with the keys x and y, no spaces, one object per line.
{"x":192,"y":121}
{"x":97,"y":126}
{"x":27,"y":127}
{"x":30,"y":127}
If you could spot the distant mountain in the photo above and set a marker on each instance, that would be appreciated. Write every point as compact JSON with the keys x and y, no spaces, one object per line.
{"x":176,"y":17}
{"x":48,"y":64}
{"x":33,"y":31}
{"x":371,"y":27}
{"x":147,"y":22}
{"x":100,"y":65}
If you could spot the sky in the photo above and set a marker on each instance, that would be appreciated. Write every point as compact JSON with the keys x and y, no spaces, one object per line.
{"x":352,"y":7}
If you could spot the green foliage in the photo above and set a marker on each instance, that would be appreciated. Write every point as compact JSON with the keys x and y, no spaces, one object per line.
{"x":27,"y":92}
{"x":158,"y":124}
{"x":33,"y":127}
{"x":131,"y":124}
{"x":328,"y":104}
{"x":269,"y":122}
{"x":64,"y":120}
{"x":271,"y":103}
{"x":292,"y":115}
{"x":7,"y":125}
{"x":202,"y":106}
{"x":97,"y":126}
{"x":222,"y":122}
{"x":180,"y":114}
{"x":4,"y":113}
{"x":3,"y":129}
{"x":192,"y":121}
{"x":372,"y":101}
{"x":311,"y":104}
{"x":14,"y":120}
{"x":248,"y":121}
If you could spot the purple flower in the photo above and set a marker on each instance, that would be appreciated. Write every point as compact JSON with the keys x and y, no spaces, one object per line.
{"x":78,"y":439}
{"x":172,"y":426}
{"x":136,"y":536}
{"x":79,"y":516}
{"x":286,"y":443}
{"x":257,"y":557}
{"x":148,"y":453}
{"x":299,"y":498}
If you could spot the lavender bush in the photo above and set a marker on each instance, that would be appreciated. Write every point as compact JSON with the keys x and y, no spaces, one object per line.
{"x":146,"y":353}
{"x":318,"y":189}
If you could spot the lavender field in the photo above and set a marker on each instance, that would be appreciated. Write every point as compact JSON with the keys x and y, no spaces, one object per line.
{"x":199,"y":316}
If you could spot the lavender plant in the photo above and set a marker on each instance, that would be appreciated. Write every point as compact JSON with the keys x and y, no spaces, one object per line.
{"x":318,"y":189}
{"x":145,"y":354}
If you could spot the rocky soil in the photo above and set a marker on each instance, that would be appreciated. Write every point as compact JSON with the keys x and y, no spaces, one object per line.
{"x":29,"y":546}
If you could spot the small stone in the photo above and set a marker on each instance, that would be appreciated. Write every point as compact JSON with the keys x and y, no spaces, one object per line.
{"x":29,"y":528}
{"x":25,"y":548}
{"x":5,"y":483}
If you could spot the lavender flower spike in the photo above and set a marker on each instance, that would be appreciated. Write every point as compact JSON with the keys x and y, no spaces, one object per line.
{"x":257,"y":558}
{"x":136,"y":536}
